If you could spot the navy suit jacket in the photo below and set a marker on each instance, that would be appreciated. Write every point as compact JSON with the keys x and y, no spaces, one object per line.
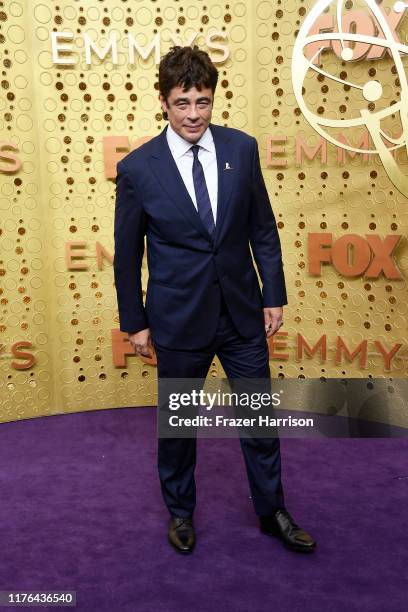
{"x":187,"y":267}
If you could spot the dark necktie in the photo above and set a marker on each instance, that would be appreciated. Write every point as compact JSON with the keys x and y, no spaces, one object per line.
{"x":201,"y":191}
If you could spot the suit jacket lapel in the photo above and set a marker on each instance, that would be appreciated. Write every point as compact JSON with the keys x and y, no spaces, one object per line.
{"x":227,"y":169}
{"x":169,"y":177}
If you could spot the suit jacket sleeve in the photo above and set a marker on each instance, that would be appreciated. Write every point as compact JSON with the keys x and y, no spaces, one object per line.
{"x":264,"y":239}
{"x":129,"y":232}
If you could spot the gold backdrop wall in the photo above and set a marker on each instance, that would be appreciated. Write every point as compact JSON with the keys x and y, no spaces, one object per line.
{"x":60,"y":349}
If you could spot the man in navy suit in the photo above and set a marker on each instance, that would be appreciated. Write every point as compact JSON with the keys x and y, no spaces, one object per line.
{"x":197,"y":192}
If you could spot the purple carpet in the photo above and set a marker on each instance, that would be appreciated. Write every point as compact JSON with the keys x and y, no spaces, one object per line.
{"x":81,"y":509}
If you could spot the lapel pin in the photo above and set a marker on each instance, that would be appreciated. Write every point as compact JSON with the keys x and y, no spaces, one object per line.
{"x":227,"y":166}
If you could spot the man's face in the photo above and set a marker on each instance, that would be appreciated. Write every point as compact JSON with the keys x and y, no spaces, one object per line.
{"x":189,"y":112}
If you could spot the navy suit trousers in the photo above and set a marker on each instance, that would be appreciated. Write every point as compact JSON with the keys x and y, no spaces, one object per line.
{"x":240,"y":358}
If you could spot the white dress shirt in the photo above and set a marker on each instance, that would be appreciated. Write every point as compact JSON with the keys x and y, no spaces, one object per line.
{"x":183,"y":156}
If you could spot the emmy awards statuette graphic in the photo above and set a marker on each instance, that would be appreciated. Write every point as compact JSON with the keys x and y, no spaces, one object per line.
{"x":333,"y":37}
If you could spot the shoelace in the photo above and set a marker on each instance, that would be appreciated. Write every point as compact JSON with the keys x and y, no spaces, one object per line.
{"x":287,"y":516}
{"x":184,"y":521}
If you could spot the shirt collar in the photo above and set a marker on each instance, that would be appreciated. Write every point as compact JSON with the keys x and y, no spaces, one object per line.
{"x":179,"y":146}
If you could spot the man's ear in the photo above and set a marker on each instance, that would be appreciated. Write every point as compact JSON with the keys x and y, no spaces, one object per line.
{"x":163,"y":103}
{"x":164,"y":107}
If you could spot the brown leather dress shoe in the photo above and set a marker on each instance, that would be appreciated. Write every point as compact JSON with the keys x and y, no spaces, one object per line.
{"x":282,"y":526}
{"x":181,"y":534}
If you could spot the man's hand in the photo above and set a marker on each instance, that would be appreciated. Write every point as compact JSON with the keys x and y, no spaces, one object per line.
{"x":273,"y":320}
{"x":142,"y":342}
